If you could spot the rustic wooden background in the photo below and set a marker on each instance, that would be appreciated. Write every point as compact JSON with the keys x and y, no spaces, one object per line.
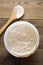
{"x":33,"y":14}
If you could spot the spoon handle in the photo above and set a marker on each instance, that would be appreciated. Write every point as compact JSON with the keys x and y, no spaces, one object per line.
{"x":4,"y":27}
{"x":13,"y":17}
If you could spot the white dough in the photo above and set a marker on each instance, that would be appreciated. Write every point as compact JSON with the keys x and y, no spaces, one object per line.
{"x":19,"y":11}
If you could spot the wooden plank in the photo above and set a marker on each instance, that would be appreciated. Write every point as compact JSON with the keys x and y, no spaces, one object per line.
{"x":17,"y":62}
{"x":37,"y":22}
{"x":33,"y":9}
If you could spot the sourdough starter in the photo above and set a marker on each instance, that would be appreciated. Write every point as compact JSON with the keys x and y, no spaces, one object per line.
{"x":21,"y":38}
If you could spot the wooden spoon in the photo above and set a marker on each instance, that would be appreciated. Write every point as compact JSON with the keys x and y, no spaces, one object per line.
{"x":16,"y":14}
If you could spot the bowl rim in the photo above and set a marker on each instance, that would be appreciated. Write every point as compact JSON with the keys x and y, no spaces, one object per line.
{"x":27,"y":53}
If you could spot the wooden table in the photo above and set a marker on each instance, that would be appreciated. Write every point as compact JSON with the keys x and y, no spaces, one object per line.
{"x":33,"y":14}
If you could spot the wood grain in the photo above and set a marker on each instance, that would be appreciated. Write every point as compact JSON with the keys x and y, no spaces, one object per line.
{"x":34,"y":15}
{"x":33,"y":9}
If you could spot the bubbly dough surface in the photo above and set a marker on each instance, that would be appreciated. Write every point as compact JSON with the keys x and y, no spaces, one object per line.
{"x":21,"y":38}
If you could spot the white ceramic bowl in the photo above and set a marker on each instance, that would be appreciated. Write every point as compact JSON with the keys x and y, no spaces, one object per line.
{"x":29,"y":52}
